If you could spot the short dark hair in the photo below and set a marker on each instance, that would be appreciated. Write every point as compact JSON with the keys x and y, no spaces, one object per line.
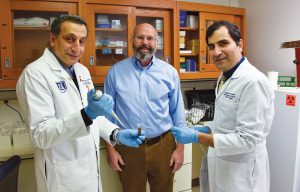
{"x":56,"y":25}
{"x":233,"y":30}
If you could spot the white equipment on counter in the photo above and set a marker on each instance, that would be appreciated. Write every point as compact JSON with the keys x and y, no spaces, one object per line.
{"x":14,"y":139}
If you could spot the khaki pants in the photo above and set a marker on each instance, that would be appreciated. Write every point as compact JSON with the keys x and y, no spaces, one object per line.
{"x":150,"y":162}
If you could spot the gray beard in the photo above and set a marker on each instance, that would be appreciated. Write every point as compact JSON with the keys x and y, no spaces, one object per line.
{"x":144,"y":56}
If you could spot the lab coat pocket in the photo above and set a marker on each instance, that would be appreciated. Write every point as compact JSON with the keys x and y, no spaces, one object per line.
{"x":231,"y":176}
{"x":74,"y":175}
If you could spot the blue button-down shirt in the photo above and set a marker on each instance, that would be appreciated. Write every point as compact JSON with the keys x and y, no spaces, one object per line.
{"x":146,"y":97}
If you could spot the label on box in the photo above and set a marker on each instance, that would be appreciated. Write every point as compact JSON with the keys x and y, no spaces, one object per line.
{"x":119,"y":51}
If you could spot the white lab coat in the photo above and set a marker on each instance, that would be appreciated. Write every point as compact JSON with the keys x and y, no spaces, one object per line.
{"x":66,"y":151}
{"x":243,"y":115}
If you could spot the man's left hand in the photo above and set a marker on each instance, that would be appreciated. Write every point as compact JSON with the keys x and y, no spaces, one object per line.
{"x":177,"y":158}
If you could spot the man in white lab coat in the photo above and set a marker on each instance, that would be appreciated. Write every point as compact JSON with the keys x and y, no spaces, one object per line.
{"x":237,"y":158}
{"x":55,"y":94}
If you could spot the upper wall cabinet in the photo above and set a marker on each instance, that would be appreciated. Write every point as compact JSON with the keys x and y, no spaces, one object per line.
{"x":181,"y":26}
{"x":110,"y":36}
{"x":24,"y":34}
{"x":192,"y":59}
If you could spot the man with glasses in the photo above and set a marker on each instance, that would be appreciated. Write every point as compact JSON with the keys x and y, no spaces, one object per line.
{"x":147,"y":95}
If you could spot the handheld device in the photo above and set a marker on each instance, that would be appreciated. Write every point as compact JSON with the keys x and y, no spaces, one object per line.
{"x":98,"y":94}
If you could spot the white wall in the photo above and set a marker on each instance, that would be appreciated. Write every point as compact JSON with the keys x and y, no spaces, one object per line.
{"x":7,"y":114}
{"x":269,"y":23}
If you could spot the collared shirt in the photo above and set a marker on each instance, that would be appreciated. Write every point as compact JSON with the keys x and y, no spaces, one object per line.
{"x":146,"y":97}
{"x":229,"y":73}
{"x":69,"y":70}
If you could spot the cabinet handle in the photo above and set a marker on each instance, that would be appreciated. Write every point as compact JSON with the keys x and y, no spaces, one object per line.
{"x":167,"y":59}
{"x":7,"y":63}
{"x":203,"y":58}
{"x":91,"y":60}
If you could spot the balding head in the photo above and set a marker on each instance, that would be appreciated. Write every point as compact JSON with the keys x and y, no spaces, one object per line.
{"x":144,"y":42}
{"x":145,"y":27}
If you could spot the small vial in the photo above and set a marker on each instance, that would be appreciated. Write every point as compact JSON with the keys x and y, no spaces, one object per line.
{"x":139,"y":131}
{"x":98,"y":94}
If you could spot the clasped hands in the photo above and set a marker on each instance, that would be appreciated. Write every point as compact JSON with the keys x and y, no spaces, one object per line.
{"x":188,"y":135}
{"x":104,"y":106}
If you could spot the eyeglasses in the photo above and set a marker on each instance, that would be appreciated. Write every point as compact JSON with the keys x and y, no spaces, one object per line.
{"x":141,"y":38}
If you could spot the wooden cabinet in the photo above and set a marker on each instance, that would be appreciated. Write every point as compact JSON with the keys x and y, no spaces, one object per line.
{"x":191,"y":58}
{"x":24,"y":27}
{"x":110,"y":36}
{"x":111,"y":24}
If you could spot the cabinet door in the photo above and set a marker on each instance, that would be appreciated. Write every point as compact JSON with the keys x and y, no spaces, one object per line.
{"x":193,"y":62}
{"x":207,"y":19}
{"x":109,"y":38}
{"x":160,"y":19}
{"x":192,"y":59}
{"x":26,"y":28}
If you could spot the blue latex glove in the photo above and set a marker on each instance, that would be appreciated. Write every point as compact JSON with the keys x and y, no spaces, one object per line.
{"x":185,"y":135}
{"x":101,"y":107}
{"x":202,"y":129}
{"x":130,"y":137}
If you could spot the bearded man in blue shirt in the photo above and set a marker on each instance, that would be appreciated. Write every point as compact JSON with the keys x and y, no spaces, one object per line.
{"x":147,"y":95}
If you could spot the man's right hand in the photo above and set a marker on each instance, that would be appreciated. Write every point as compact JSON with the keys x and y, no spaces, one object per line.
{"x":185,"y":135}
{"x":114,"y":159}
{"x":101,"y":107}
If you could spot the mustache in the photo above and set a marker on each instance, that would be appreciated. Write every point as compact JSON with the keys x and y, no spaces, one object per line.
{"x":143,"y":47}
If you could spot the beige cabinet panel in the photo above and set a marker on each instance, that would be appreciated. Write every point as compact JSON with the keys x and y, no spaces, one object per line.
{"x":183,"y":178}
{"x":109,"y":177}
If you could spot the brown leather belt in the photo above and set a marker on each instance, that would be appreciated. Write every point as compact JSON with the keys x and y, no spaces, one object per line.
{"x":154,"y":140}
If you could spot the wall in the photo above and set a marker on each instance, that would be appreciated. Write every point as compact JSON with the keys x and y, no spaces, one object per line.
{"x":8,"y":114}
{"x":269,"y":23}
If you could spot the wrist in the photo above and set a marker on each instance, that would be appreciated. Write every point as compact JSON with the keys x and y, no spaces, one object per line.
{"x":196,"y":138}
{"x":115,"y":135}
{"x":89,"y":113}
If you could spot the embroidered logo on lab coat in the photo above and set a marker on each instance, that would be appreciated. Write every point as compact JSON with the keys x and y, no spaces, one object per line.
{"x":62,"y":86}
{"x":229,"y":95}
